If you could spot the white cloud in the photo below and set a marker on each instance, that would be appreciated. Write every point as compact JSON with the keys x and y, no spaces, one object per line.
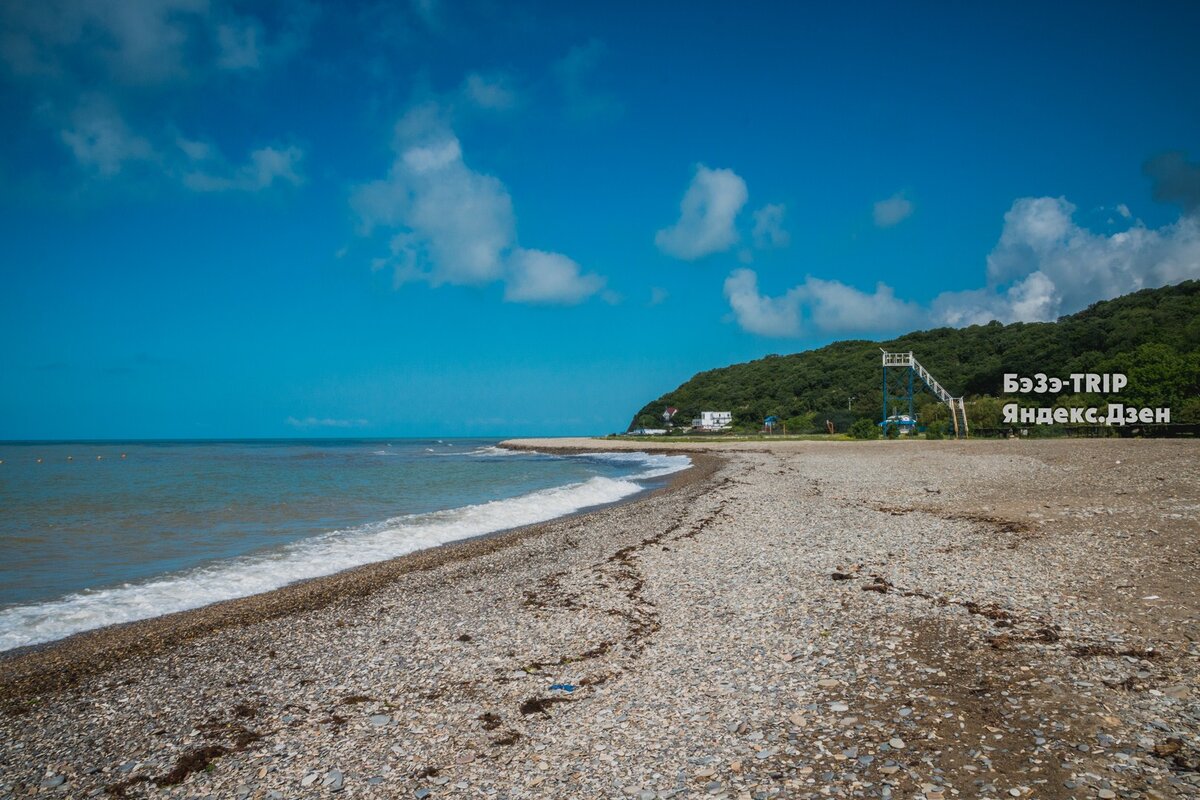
{"x":540,"y":277}
{"x":1124,"y":211}
{"x":325,"y":422}
{"x":706,"y":215}
{"x":893,"y":210}
{"x":768,"y":227}
{"x":833,"y":306}
{"x":263,"y":169}
{"x":460,"y":222}
{"x":658,"y":295}
{"x":454,"y":225}
{"x":493,"y":92}
{"x":766,"y":316}
{"x":1043,"y":266}
{"x":828,"y":306}
{"x":101,"y":141}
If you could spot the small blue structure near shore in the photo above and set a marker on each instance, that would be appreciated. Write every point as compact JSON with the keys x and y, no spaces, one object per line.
{"x":903,"y":423}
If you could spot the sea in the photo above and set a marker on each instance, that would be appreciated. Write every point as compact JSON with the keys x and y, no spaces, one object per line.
{"x":93,"y":534}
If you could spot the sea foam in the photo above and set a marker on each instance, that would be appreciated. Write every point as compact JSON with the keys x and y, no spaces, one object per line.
{"x":318,"y":556}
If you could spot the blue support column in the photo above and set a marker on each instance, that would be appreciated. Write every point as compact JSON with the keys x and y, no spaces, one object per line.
{"x":910,"y":400}
{"x":885,"y":397}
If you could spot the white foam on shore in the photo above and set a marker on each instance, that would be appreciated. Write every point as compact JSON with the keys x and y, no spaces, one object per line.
{"x":658,"y":465}
{"x":311,"y":558}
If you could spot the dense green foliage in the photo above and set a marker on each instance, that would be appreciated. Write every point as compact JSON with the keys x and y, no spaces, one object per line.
{"x":1153,"y":336}
{"x":864,"y":429}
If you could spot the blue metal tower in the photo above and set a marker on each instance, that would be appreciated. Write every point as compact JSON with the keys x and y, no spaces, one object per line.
{"x":911,"y":367}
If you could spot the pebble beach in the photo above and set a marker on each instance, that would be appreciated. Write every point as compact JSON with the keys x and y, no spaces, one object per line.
{"x":994,"y":619}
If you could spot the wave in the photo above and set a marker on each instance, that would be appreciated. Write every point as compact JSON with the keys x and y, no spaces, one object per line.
{"x":657,"y":465}
{"x":309,"y":558}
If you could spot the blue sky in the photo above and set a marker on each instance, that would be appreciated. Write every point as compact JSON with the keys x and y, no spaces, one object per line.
{"x":272,"y":219}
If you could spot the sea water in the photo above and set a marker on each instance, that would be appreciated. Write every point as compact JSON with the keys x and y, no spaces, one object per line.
{"x":96,"y":534}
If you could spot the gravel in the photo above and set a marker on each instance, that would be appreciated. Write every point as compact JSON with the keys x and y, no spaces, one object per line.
{"x":891,"y":619}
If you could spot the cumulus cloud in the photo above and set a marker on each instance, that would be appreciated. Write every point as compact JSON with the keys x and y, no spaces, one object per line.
{"x":893,"y":210}
{"x":833,"y":306}
{"x":452,"y":224}
{"x":829,"y":306}
{"x":1044,"y":265}
{"x":707,"y":215}
{"x":768,"y":227}
{"x":540,"y":277}
{"x":756,"y":313}
{"x":264,"y":168}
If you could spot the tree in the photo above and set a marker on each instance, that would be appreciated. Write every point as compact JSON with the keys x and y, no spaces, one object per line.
{"x":864,"y":429}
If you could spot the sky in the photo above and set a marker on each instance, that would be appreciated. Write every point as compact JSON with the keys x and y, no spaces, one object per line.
{"x":239,"y":219}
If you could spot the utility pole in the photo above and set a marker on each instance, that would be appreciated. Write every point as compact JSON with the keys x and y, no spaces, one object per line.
{"x":850,"y":400}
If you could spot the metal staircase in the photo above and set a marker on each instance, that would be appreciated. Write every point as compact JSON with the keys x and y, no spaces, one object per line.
{"x":958,"y":410}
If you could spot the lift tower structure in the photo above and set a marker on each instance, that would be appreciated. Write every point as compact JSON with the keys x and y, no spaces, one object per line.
{"x":910,"y":367}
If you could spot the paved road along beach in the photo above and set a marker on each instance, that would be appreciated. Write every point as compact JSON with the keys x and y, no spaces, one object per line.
{"x":881,"y":619}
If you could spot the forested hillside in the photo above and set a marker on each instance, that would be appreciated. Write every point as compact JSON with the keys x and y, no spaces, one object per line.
{"x":1153,"y":336}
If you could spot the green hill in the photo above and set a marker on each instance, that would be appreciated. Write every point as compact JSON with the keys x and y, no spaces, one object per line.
{"x":1153,"y":336}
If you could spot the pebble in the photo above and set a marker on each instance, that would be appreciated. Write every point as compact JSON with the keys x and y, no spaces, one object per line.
{"x":716,"y":610}
{"x":334,"y":780}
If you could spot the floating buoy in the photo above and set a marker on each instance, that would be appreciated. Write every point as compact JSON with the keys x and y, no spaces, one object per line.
{"x":122,"y":455}
{"x":70,"y":458}
{"x":39,"y":461}
{"x":99,"y":457}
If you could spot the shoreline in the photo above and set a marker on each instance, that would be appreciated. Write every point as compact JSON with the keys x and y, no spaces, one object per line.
{"x":990,"y":619}
{"x":28,"y":671}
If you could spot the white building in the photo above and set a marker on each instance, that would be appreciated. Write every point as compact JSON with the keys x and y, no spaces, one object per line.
{"x":713,"y":420}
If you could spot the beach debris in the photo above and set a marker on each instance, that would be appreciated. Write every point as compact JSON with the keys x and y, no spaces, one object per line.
{"x":563,"y":687}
